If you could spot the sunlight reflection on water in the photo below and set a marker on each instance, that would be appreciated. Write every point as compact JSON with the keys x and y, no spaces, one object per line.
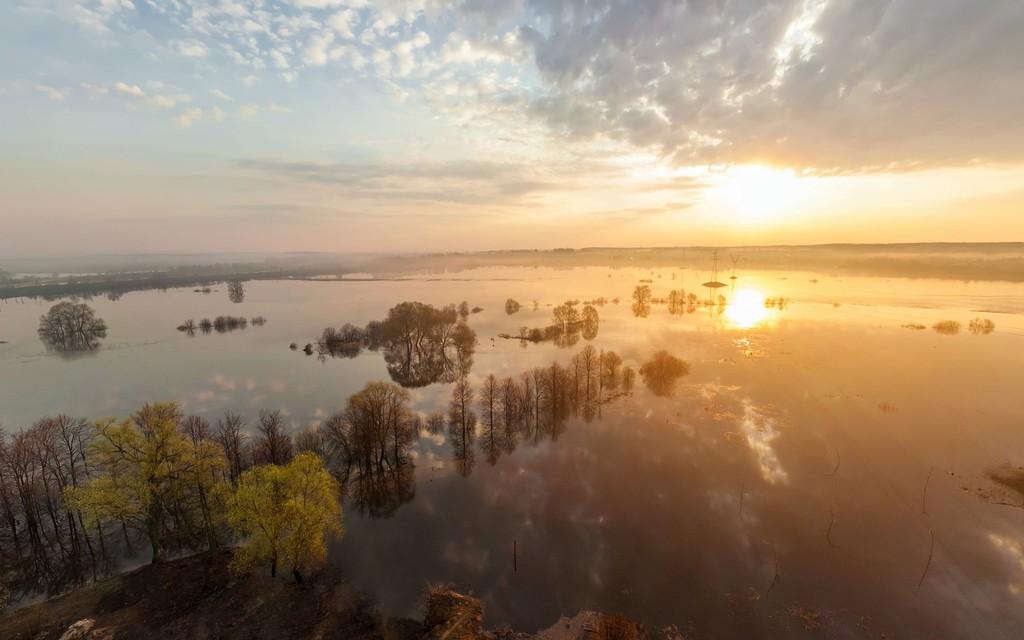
{"x":746,"y":310}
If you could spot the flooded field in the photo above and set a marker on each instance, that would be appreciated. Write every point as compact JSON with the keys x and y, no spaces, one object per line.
{"x":806,"y":453}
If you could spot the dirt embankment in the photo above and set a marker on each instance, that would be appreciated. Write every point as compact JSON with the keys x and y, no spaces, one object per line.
{"x":200,"y":598}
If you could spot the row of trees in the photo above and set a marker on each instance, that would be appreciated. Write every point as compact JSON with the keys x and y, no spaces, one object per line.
{"x":76,"y":497}
{"x":568,"y":324}
{"x":220,"y":324}
{"x":678,"y":301}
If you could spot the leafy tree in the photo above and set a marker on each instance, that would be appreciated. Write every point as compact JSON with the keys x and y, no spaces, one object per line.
{"x":661,"y":372}
{"x":151,"y":476}
{"x":285,"y":514}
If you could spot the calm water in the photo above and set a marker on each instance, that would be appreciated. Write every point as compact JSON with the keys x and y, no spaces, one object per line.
{"x":795,"y":478}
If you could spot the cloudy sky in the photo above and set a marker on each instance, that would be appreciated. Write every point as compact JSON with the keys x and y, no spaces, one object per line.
{"x":362,"y":125}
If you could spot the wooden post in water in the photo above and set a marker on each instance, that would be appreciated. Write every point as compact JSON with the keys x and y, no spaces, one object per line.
{"x":515,"y":557}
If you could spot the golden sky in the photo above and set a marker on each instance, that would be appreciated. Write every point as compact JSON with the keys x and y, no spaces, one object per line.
{"x":233,"y":125}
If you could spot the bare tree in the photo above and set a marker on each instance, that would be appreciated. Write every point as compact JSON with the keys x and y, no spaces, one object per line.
{"x":273,"y":446}
{"x":231,"y":436}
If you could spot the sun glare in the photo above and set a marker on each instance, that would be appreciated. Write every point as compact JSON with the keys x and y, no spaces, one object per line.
{"x":756,"y":193}
{"x":746,"y":309}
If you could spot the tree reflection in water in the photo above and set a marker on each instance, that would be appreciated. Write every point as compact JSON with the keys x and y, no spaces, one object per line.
{"x":421,"y":343}
{"x":661,"y":372}
{"x":70,"y":327}
{"x":367,"y":445}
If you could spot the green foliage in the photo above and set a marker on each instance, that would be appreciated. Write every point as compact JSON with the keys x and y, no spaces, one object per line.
{"x":149,"y":474}
{"x":285,"y":514}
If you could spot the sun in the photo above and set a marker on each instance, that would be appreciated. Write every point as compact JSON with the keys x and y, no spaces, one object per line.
{"x":756,"y":193}
{"x":746,"y":310}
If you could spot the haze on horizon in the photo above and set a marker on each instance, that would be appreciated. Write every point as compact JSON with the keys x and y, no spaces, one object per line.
{"x":404,"y":125}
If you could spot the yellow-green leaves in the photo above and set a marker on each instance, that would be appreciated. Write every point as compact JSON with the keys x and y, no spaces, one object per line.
{"x":285,"y":514}
{"x":152,"y":477}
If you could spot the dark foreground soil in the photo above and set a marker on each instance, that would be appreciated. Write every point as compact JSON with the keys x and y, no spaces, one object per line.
{"x":199,"y":597}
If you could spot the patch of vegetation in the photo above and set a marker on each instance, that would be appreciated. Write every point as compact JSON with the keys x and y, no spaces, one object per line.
{"x":421,"y":343}
{"x":981,"y":326}
{"x":947,"y":327}
{"x":71,"y":327}
{"x":661,"y":372}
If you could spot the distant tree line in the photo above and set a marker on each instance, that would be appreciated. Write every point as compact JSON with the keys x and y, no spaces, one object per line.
{"x":220,"y":324}
{"x":568,"y":325}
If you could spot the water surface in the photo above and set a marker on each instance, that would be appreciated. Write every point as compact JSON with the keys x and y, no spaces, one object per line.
{"x":797,"y":479}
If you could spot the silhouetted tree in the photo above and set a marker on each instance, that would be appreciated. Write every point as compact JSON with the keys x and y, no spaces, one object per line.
{"x":661,"y":372}
{"x":272,"y":446}
{"x":236,"y":291}
{"x":70,"y":326}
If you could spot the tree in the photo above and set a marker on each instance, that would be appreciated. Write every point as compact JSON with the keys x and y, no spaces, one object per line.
{"x":231,"y":436}
{"x":374,"y":430}
{"x":661,"y":372}
{"x":589,"y":322}
{"x":273,"y":446}
{"x":565,"y":317}
{"x":285,"y":514}
{"x":512,"y":306}
{"x":641,"y":301}
{"x":148,"y":475}
{"x":236,"y":291}
{"x":70,"y":326}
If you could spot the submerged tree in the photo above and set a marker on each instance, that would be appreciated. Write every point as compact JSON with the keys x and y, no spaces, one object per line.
{"x":285,"y":514}
{"x":661,"y":372}
{"x":236,"y":291}
{"x":374,"y":431}
{"x":152,"y":477}
{"x":70,"y":326}
{"x":423,"y":344}
{"x":642,"y":301}
{"x":462,"y":425}
{"x":512,"y":306}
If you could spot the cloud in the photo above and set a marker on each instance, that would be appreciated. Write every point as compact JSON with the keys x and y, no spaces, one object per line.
{"x":220,"y":95}
{"x":132,"y":90}
{"x":191,"y":48}
{"x":315,"y":53}
{"x":342,"y":23}
{"x":187,"y":117}
{"x":833,"y":86}
{"x":249,"y":111}
{"x":480,"y":182}
{"x":830,"y":85}
{"x":54,"y":94}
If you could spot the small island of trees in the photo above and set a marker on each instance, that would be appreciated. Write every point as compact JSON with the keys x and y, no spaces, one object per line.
{"x":70,"y":327}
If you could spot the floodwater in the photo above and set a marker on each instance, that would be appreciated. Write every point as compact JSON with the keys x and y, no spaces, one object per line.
{"x":821,"y":469}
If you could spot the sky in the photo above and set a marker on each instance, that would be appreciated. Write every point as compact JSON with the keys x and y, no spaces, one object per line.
{"x":136,"y":126}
